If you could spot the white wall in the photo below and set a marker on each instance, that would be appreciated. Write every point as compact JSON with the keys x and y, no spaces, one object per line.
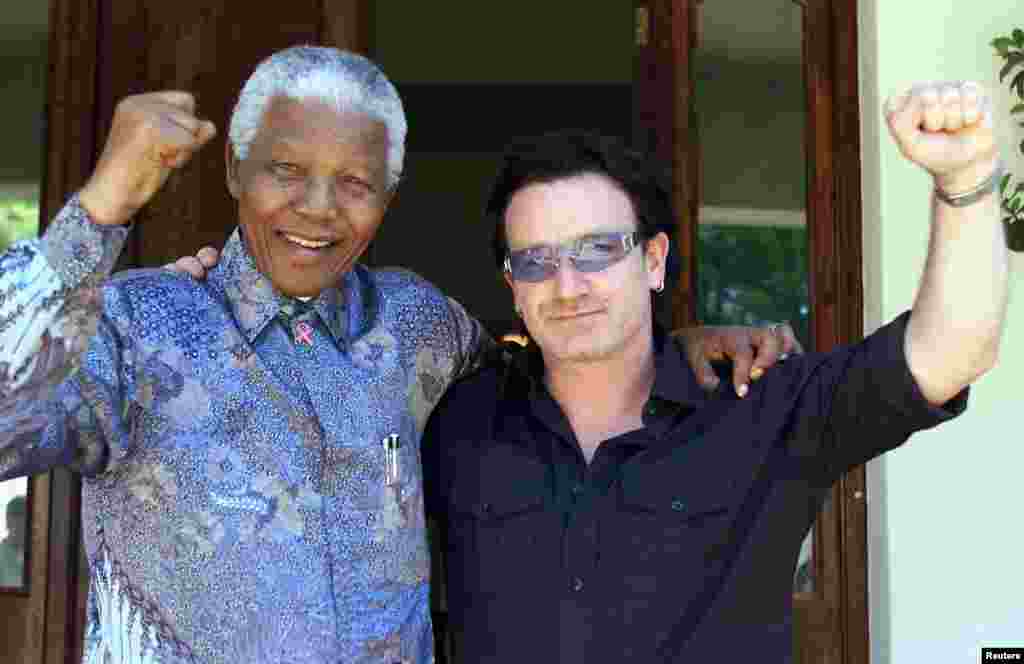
{"x":946,"y":542}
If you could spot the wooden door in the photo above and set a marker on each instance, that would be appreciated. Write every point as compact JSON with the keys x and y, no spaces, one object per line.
{"x":830,"y":612}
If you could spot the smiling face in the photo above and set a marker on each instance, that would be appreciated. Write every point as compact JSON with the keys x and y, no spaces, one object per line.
{"x":311,"y":193}
{"x":576,"y":316}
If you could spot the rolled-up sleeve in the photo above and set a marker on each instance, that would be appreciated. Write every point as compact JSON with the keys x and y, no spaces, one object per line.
{"x":860,"y":401}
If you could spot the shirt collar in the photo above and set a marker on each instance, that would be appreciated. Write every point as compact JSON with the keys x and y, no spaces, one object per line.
{"x":254,"y":301}
{"x":674,"y":378}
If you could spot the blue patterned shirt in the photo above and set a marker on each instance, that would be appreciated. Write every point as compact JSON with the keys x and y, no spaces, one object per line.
{"x":251,"y":484}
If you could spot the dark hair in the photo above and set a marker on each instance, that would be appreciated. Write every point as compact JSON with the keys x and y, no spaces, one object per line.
{"x":569,"y":153}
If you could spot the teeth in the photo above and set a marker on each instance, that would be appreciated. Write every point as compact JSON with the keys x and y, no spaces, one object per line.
{"x":308,"y":244}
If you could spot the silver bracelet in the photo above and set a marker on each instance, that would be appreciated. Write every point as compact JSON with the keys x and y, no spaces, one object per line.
{"x":987,"y":186}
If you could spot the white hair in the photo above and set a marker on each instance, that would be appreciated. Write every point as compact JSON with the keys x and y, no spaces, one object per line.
{"x":346,"y":81}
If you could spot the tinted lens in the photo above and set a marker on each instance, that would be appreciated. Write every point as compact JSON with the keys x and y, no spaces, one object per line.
{"x":529,"y":265}
{"x":589,"y":254}
{"x":597,"y":252}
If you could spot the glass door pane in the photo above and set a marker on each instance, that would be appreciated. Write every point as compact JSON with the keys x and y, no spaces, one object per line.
{"x":14,"y":523}
{"x":750,"y":114}
{"x":23,"y":64}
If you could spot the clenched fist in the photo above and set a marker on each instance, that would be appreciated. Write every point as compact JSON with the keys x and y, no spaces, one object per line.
{"x":151,"y":135}
{"x":947,"y":129}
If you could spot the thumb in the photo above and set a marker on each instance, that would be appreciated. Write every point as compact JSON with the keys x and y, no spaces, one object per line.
{"x":207,"y":130}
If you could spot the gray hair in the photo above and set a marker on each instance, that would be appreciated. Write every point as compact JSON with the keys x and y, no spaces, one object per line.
{"x":346,"y":81}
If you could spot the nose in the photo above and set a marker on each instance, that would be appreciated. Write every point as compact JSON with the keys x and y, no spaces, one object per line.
{"x":317,"y":199}
{"x":569,"y":282}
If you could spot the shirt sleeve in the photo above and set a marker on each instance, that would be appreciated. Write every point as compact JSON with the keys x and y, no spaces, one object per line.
{"x":433,"y":453}
{"x":473,"y":344}
{"x":861,"y":401}
{"x":51,"y":318}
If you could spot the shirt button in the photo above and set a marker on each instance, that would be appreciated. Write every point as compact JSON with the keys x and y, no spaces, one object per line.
{"x":678,"y":505}
{"x":485,"y":508}
{"x":577,"y":584}
{"x":577,"y":490}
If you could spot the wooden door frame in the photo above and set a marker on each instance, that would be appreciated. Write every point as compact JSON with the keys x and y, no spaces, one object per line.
{"x":70,"y":152}
{"x":665,"y":124}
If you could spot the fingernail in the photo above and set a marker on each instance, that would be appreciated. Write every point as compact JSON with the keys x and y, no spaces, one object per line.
{"x":742,"y":390}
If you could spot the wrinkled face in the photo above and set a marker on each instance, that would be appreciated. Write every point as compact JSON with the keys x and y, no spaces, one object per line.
{"x":576,"y":316}
{"x":311,"y":193}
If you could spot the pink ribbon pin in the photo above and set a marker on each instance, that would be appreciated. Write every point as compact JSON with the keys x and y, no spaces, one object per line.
{"x":304,"y":333}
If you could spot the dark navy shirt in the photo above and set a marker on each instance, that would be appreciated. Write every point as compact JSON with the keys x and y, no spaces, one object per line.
{"x":678,"y":541}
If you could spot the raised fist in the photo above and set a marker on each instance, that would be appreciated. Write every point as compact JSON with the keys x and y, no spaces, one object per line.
{"x":947,"y":129}
{"x":151,"y":135}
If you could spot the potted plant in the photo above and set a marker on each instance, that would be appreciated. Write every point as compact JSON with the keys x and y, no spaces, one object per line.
{"x":1011,"y":50}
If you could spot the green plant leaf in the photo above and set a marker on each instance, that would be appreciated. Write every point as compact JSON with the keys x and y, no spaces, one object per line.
{"x":1002,"y":45}
{"x":1012,"y":60}
{"x":1005,"y":181}
{"x":1019,"y":108}
{"x":1018,"y":38}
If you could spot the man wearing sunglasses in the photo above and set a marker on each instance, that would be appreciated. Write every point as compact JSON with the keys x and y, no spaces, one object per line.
{"x":597,"y":505}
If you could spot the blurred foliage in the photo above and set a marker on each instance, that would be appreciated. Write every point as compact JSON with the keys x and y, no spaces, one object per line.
{"x":1011,"y":49}
{"x":19,"y":219}
{"x":752,"y":275}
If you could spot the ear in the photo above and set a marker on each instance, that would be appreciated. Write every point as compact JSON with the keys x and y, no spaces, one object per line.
{"x":231,"y":165}
{"x":655,"y":255}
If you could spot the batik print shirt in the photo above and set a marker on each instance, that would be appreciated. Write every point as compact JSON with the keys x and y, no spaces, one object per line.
{"x":239,"y":501}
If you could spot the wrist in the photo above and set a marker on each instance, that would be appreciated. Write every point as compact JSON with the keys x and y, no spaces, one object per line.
{"x":970,"y":184}
{"x":99,"y":207}
{"x":967,"y":178}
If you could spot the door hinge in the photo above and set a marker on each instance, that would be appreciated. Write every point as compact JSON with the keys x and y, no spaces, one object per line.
{"x":643,"y":26}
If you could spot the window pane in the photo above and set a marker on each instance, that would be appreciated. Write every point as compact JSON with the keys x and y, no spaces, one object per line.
{"x":13,"y":532}
{"x":23,"y":43}
{"x":751,"y":117}
{"x":23,"y":48}
{"x":750,"y":108}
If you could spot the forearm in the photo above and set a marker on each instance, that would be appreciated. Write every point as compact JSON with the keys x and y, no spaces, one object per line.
{"x":50,"y":307}
{"x":956,"y":323}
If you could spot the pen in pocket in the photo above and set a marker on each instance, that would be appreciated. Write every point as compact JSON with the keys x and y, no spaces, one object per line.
{"x":392,"y":471}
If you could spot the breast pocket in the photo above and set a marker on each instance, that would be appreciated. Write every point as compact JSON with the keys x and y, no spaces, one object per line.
{"x":501,"y":521}
{"x":671,"y":520}
{"x":676,"y":513}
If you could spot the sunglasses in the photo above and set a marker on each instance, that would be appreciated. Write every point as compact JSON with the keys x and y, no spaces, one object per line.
{"x":590,"y":253}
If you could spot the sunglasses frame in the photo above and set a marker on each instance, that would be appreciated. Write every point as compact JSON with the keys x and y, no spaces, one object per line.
{"x":629,"y":239}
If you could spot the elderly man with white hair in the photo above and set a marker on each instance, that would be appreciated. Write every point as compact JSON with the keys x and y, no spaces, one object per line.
{"x":249,"y":444}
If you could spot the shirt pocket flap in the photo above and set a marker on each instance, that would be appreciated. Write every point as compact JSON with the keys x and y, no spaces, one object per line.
{"x":675,"y":485}
{"x":505,"y":486}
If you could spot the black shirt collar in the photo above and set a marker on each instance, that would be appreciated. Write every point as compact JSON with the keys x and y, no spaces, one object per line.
{"x":674,"y":379}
